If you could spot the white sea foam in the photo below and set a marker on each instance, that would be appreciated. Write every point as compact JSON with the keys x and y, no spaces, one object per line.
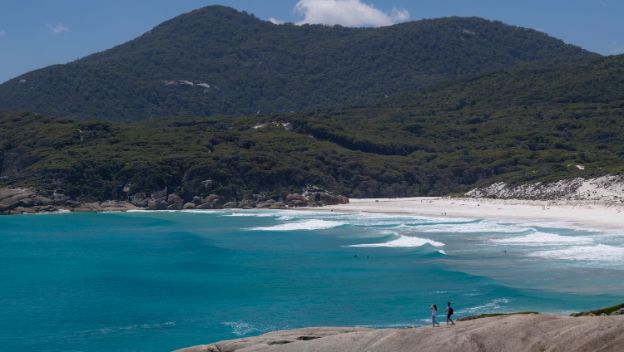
{"x":363,"y":219}
{"x":543,"y":238}
{"x":116,"y":329}
{"x":471,"y":227}
{"x":253,"y":214}
{"x":154,"y":211}
{"x":241,"y":328}
{"x":598,"y":253}
{"x":403,"y":242}
{"x":493,"y":305}
{"x":312,"y":224}
{"x":200,"y":211}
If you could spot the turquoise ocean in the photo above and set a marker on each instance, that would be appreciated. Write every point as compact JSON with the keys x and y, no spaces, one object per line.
{"x":157,"y":281}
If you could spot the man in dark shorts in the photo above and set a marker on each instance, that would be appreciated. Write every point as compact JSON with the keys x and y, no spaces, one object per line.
{"x":449,"y":314}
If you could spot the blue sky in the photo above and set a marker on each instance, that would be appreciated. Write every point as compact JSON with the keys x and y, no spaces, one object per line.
{"x":37,"y":33}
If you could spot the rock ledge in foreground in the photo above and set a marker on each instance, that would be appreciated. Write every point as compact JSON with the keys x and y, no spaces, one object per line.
{"x":511,"y":333}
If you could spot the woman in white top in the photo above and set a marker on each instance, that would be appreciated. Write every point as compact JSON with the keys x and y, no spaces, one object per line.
{"x":434,"y":315}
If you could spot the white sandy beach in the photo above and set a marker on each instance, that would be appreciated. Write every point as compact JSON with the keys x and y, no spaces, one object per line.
{"x":584,"y":214}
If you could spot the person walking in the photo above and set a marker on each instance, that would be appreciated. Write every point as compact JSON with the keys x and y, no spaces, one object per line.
{"x":434,"y":316}
{"x":449,"y":314}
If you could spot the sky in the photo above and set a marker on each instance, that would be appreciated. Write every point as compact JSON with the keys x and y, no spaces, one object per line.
{"x":38,"y":33}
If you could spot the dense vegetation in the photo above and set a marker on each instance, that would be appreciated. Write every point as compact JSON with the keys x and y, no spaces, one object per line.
{"x":603,"y":311}
{"x":530,"y":123}
{"x":238,"y":64}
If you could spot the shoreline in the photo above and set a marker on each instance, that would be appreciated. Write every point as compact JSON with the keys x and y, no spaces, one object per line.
{"x":591,"y":215}
{"x":582,"y":214}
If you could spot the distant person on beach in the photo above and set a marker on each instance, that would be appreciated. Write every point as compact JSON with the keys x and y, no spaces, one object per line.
{"x":434,"y":316}
{"x":449,"y":314}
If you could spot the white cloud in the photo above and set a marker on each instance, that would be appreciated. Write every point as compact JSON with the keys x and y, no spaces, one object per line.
{"x":2,"y":33}
{"x":59,"y":28}
{"x":617,"y":51}
{"x":275,"y":20}
{"x":349,"y":13}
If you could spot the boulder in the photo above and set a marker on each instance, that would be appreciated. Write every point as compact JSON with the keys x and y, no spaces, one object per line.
{"x":14,"y":194}
{"x":332,"y":199}
{"x":175,"y":199}
{"x":157,"y":204}
{"x":159,"y":194}
{"x":278,"y":205}
{"x":322,"y":197}
{"x":205,"y":206}
{"x":72,"y":204}
{"x":295,"y":196}
{"x":11,"y":198}
{"x":262,"y":197}
{"x":59,"y":199}
{"x":247,"y":204}
{"x":189,"y":205}
{"x":213,"y":199}
{"x":27,"y":203}
{"x":265,"y":204}
{"x":297,"y":203}
{"x":22,"y":210}
{"x":45,"y":209}
{"x":230,"y":205}
{"x":139,"y":199}
{"x":175,"y":206}
{"x":42,"y":201}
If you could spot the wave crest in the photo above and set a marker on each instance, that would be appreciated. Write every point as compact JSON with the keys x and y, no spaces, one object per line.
{"x":598,"y":253}
{"x":307,"y":225}
{"x":543,"y":238}
{"x":403,"y":242}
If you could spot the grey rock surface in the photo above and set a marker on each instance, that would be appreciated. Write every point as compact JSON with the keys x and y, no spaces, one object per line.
{"x":513,"y":333}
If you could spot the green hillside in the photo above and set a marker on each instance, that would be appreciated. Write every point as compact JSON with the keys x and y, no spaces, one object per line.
{"x":219,"y":61}
{"x":530,"y":123}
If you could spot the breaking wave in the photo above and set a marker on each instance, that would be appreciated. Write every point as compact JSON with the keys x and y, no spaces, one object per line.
{"x":543,"y":238}
{"x":308,"y":225}
{"x":403,"y":241}
{"x":598,"y":253}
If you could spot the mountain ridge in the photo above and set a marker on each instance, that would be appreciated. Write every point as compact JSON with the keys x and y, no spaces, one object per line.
{"x":217,"y":60}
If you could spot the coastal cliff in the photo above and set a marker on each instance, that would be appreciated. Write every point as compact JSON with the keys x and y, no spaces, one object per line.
{"x":508,"y":333}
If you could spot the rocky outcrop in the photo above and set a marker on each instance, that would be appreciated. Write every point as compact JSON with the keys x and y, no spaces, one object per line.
{"x":110,"y":205}
{"x":511,"y":333}
{"x":606,"y":189}
{"x":314,"y":197}
{"x":26,"y":201}
{"x":21,"y":200}
{"x":319,"y":197}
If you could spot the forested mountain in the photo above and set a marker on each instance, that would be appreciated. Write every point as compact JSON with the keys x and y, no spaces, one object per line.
{"x":216,"y":60}
{"x":529,"y":123}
